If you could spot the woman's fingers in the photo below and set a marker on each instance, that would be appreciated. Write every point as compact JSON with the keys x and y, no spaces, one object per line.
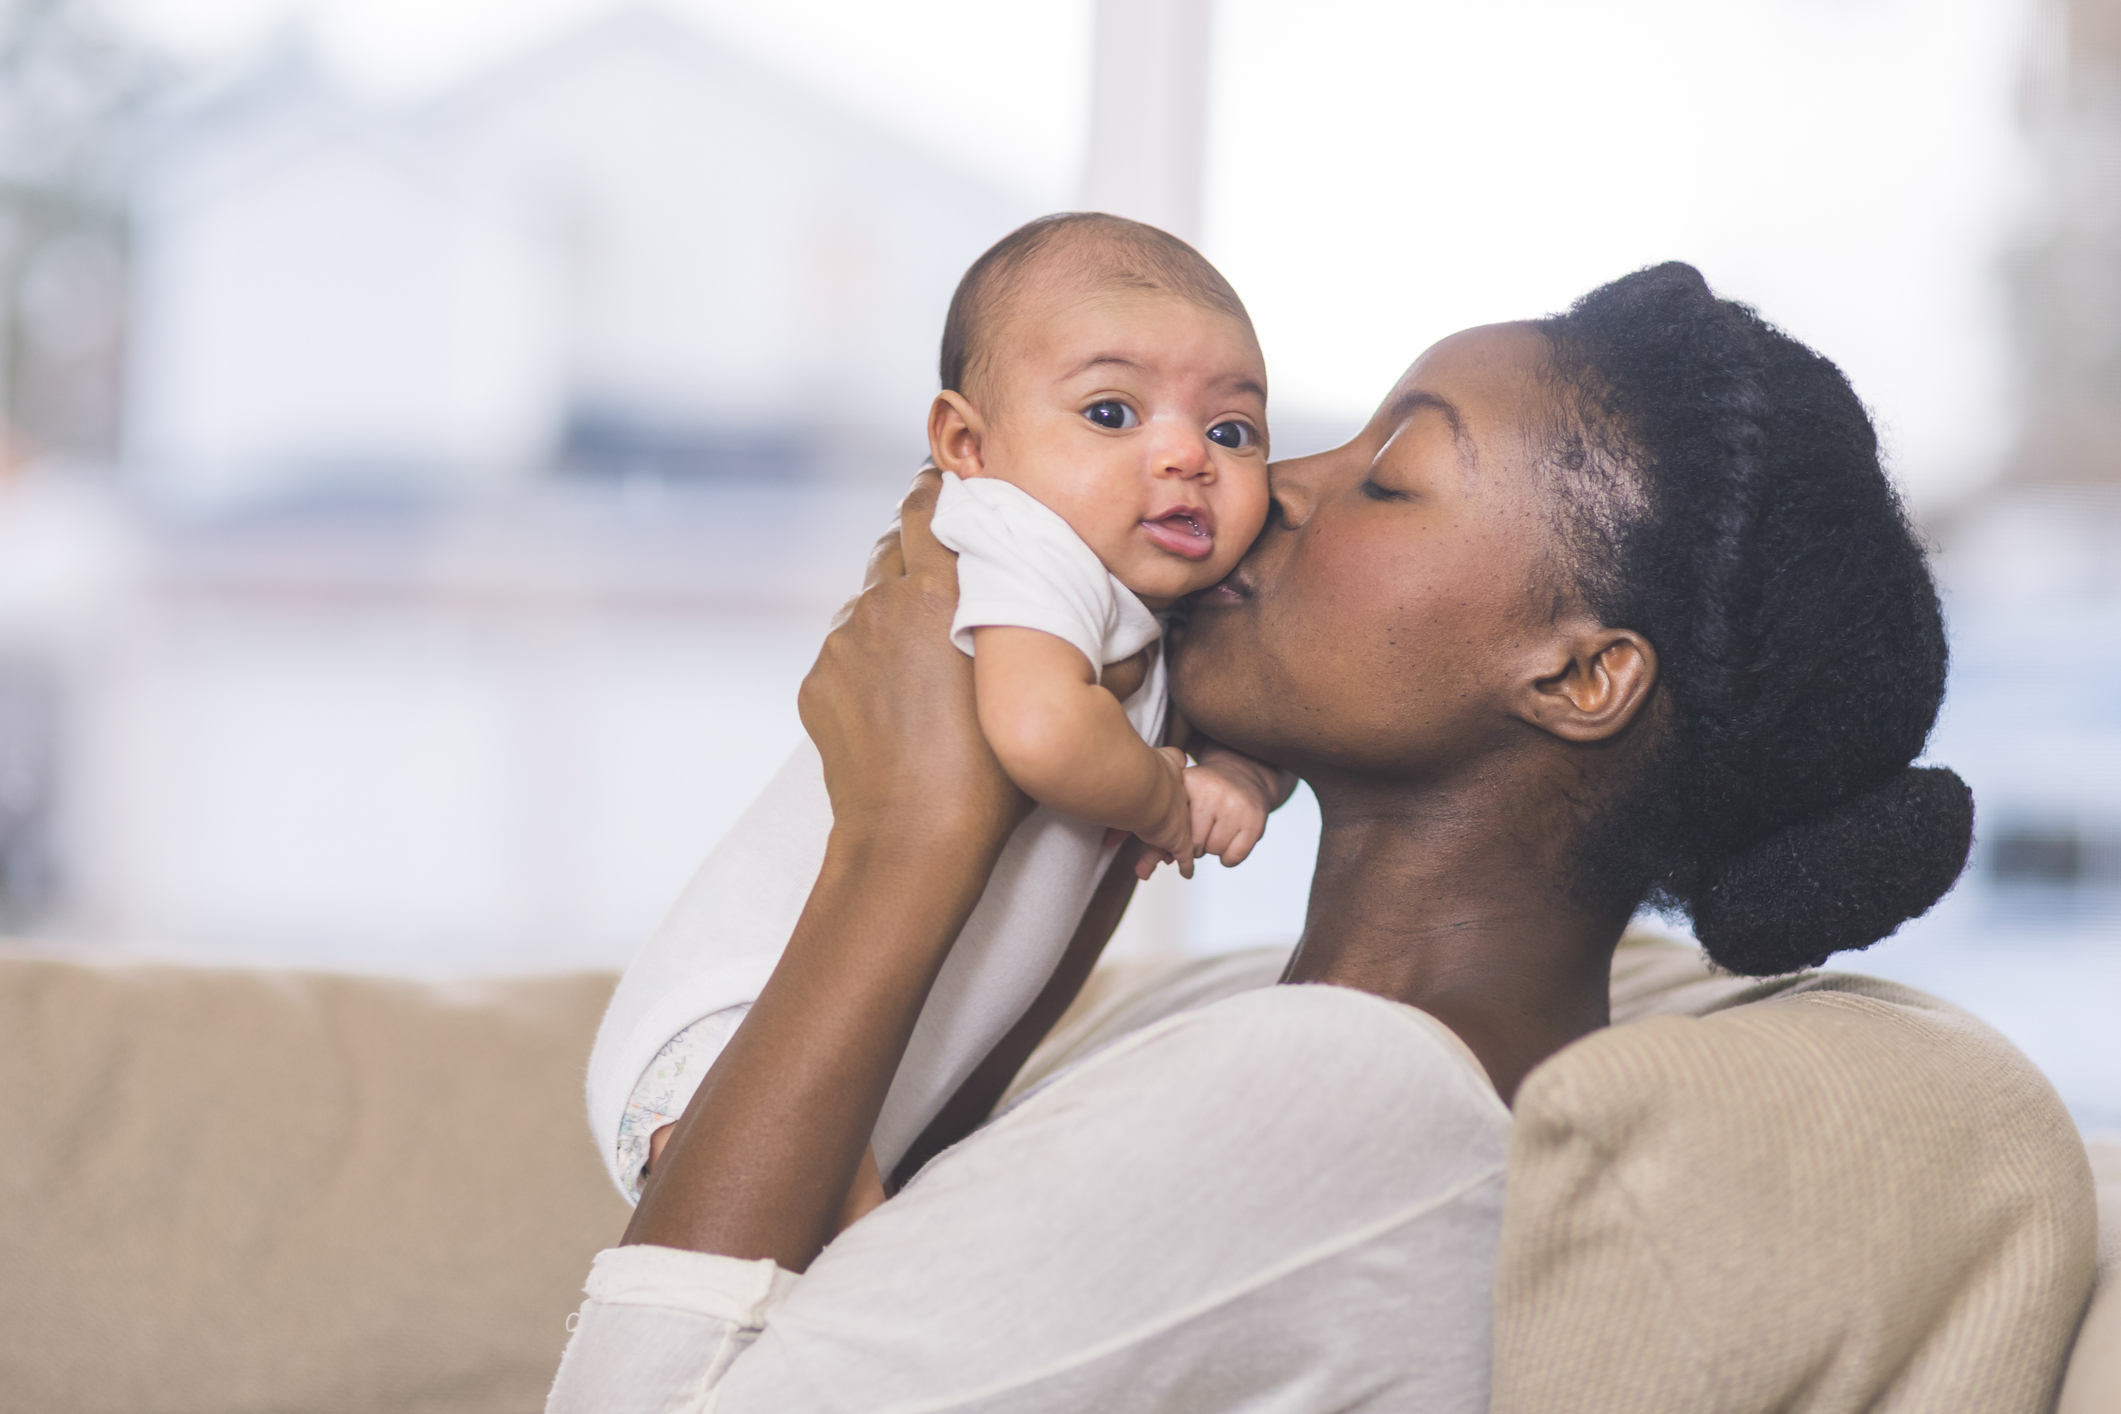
{"x":889,"y":701}
{"x":886,"y":557}
{"x":1240,"y":847}
{"x":886,"y":561}
{"x":922,"y":552}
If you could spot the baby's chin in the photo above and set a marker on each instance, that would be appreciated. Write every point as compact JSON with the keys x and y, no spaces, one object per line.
{"x":1159,"y":585}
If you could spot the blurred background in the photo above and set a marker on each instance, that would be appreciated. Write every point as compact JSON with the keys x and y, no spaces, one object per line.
{"x":433,"y":433}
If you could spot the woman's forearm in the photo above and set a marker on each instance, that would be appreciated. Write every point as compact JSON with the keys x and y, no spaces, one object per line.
{"x":761,"y":1162}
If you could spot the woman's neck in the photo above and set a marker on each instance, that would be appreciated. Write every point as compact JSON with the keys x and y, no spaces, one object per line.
{"x":1431,"y":899}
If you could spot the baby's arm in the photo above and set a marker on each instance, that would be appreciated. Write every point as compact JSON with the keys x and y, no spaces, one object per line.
{"x":1067,"y":743}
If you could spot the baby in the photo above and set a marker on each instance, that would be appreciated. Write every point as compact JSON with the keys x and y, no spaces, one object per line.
{"x":1102,"y":436}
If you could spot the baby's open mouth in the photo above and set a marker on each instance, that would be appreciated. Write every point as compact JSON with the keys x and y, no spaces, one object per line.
{"x":1182,"y":533}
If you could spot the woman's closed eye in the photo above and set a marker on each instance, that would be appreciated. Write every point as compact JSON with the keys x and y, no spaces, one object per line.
{"x":1234,"y":435}
{"x":1112,"y":415}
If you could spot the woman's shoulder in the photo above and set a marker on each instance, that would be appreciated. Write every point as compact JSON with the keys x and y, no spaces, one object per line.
{"x":1319,"y":1030}
{"x":1282,"y":1066}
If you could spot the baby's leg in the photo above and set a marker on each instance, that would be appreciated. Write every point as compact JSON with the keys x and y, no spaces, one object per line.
{"x":684,"y":993}
{"x":665,"y":1088}
{"x":720,"y":943}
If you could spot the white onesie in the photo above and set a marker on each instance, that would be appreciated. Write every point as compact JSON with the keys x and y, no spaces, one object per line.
{"x":1019,"y":564}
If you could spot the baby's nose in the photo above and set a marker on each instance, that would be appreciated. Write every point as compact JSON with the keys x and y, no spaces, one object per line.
{"x":1186,"y":457}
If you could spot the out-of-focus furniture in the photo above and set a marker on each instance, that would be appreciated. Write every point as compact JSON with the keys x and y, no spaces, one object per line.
{"x":1825,"y":1193}
{"x":234,"y":1191}
{"x":2094,"y":1383}
{"x":224,"y":1191}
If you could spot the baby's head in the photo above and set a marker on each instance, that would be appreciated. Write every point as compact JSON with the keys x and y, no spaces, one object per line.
{"x":1107,"y":369}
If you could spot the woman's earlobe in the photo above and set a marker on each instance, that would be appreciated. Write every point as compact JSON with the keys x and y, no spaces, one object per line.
{"x":1603,"y":684}
{"x":955,"y":431}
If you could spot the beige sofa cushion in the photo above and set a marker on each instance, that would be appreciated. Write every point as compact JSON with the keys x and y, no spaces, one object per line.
{"x":238,"y":1191}
{"x":2094,"y":1384}
{"x":1827,"y":1194}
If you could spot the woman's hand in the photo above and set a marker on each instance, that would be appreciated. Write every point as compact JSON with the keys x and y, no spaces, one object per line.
{"x":889,"y":702}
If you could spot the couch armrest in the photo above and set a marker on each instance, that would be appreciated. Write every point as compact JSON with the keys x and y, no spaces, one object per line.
{"x":1845,"y":1196}
{"x":2094,"y":1383}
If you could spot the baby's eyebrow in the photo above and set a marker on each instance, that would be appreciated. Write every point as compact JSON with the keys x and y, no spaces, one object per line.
{"x":1104,"y":361}
{"x":1239,"y":384}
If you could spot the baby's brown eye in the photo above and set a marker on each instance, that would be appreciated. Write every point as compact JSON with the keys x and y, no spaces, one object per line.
{"x":1112,"y":414}
{"x":1237,"y":436}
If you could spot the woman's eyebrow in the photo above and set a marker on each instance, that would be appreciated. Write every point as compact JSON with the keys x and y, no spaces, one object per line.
{"x":1415,"y":399}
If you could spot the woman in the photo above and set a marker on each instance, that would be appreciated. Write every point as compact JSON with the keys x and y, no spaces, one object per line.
{"x":1612,"y":608}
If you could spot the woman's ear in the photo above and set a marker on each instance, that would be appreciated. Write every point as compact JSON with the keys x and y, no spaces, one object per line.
{"x":955,"y":432}
{"x":1599,"y":678}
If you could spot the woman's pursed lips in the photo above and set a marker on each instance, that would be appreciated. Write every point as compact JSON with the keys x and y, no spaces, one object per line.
{"x":1233,"y":587}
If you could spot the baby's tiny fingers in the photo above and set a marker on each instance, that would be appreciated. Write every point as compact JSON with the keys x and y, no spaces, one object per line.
{"x":1241,"y":847}
{"x":1214,"y":835}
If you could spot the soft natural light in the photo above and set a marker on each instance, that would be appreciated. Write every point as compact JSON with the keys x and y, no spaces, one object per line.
{"x":1381,"y":173}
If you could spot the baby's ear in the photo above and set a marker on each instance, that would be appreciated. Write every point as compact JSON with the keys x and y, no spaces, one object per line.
{"x":955,"y":431}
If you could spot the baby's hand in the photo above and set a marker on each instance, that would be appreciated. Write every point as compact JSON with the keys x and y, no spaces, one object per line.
{"x":1230,"y":795}
{"x":1172,"y":837}
{"x":1228,"y":798}
{"x":1229,"y":811}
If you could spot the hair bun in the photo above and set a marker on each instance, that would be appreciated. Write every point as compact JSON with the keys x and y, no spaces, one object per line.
{"x":1843,"y":878}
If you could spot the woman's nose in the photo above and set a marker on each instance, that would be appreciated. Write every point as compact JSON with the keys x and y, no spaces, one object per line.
{"x":1292,"y":491}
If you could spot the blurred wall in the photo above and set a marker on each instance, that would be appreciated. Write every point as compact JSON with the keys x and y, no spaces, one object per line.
{"x":631,"y":250}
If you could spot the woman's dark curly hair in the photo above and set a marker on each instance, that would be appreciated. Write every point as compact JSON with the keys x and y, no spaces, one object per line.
{"x":1720,"y":493}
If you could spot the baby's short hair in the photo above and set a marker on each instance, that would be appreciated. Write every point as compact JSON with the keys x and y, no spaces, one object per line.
{"x":1106,"y":252}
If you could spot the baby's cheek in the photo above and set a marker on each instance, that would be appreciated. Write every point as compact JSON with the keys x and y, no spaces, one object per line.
{"x":1246,"y":514}
{"x":1237,"y":538}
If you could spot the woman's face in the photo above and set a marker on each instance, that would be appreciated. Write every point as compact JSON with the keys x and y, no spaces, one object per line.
{"x":1402,"y":587}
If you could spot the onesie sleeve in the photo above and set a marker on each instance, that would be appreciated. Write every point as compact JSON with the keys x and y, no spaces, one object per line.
{"x":1020,"y":565}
